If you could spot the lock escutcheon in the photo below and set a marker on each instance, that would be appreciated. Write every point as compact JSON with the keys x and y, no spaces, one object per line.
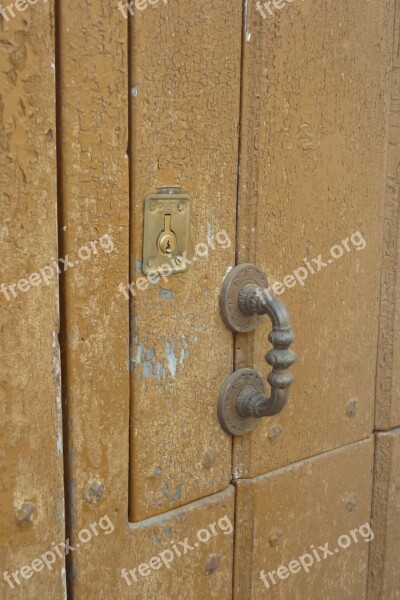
{"x":166,"y":235}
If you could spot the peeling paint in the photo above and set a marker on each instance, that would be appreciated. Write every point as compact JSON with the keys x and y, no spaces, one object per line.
{"x":177,"y":494}
{"x":165,"y":294}
{"x":138,"y":266}
{"x":245,"y":17}
{"x":56,"y":367}
{"x":160,"y":371}
{"x":171,"y":358}
{"x":209,"y":232}
{"x":63,"y":575}
{"x":156,"y":537}
{"x":182,"y":357}
{"x":138,"y":357}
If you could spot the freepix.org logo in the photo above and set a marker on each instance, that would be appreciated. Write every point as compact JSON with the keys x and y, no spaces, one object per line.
{"x":166,"y":557}
{"x":49,"y":273}
{"x":316,"y":555}
{"x":58,"y":551}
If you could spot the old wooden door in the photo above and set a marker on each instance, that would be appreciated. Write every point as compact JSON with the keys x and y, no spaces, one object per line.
{"x":274,"y":118}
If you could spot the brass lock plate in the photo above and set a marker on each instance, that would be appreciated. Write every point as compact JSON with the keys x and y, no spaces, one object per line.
{"x":166,"y":238}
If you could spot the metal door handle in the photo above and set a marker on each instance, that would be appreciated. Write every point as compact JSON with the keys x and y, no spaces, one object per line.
{"x":245,"y":297}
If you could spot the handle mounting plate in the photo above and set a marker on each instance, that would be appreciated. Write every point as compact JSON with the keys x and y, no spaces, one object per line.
{"x":236,"y":279}
{"x":231,"y":421}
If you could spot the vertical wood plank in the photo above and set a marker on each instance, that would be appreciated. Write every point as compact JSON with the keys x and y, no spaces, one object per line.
{"x":387,"y":407}
{"x":384,"y":581}
{"x":185,"y":78}
{"x":94,"y":203}
{"x":31,"y":449}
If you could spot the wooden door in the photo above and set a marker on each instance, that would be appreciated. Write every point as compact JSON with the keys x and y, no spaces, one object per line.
{"x":273,"y":118}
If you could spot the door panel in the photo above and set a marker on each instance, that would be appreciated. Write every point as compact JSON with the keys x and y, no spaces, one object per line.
{"x":94,"y":203}
{"x":288,"y":513}
{"x":384,"y":576}
{"x":31,"y":486}
{"x":131,"y":556}
{"x":185,"y":77}
{"x":312,"y":167}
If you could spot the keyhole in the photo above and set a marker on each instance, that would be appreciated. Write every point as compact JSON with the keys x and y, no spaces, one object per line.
{"x":167,"y":238}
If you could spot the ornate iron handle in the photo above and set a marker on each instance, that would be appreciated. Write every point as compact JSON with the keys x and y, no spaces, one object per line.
{"x":245,"y":297}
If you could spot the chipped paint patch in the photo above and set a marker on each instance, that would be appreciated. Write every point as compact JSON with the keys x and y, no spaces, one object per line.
{"x":56,"y":368}
{"x":63,"y":575}
{"x":184,"y":350}
{"x":138,"y":266}
{"x":138,"y":356}
{"x":237,"y":471}
{"x":152,"y":366}
{"x":165,"y":294}
{"x":160,"y":372}
{"x":209,"y":233}
{"x":148,"y":362}
{"x":171,"y":358}
{"x":177,"y":495}
{"x":156,"y":537}
{"x":245,"y":17}
{"x":60,"y":505}
{"x":182,"y":357}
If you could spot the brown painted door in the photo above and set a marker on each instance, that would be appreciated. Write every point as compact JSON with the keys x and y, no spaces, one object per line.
{"x":273,"y":118}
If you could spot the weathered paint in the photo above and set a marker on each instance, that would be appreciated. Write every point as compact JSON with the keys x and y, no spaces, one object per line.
{"x":184,"y":126}
{"x":384,"y":574}
{"x":313,"y":141}
{"x":31,"y":453}
{"x":281,"y":515}
{"x":95,"y":200}
{"x":387,"y":409}
{"x":312,"y":163}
